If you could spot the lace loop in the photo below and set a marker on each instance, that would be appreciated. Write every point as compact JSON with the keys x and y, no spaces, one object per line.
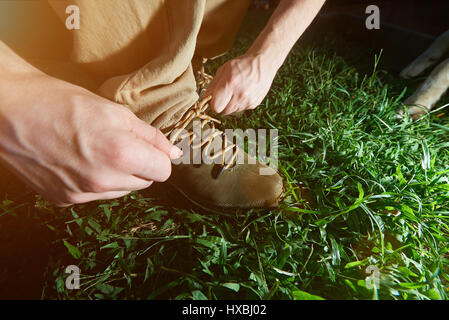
{"x":198,"y":111}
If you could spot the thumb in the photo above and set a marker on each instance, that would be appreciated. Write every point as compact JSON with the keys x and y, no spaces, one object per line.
{"x":155,"y":137}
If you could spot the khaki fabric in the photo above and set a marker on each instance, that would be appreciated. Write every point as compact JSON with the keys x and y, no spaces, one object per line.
{"x":221,"y":22}
{"x":143,"y":49}
{"x":136,"y":52}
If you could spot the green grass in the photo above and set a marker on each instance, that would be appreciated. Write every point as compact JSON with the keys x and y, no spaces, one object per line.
{"x":362,"y":188}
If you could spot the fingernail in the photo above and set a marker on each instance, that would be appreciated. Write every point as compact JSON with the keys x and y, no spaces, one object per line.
{"x":175,"y":152}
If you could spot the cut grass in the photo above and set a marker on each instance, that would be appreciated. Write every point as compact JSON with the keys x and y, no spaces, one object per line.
{"x":362,"y":189}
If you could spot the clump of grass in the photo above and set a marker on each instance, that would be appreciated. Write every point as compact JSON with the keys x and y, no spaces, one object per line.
{"x":363,"y":188}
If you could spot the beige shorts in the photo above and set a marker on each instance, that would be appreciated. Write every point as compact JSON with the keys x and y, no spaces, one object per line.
{"x":139,"y":51}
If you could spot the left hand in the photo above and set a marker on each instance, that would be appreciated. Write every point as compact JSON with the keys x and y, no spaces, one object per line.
{"x":240,"y":84}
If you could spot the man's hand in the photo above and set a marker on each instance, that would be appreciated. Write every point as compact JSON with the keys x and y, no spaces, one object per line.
{"x":241,"y":84}
{"x":72,"y":146}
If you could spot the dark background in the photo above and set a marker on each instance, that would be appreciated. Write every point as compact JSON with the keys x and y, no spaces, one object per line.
{"x":426,"y":16}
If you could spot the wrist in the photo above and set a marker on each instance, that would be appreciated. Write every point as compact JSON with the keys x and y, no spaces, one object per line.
{"x":271,"y":51}
{"x":269,"y":59}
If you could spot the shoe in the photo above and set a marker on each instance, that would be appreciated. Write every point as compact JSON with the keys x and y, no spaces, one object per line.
{"x":225,"y":184}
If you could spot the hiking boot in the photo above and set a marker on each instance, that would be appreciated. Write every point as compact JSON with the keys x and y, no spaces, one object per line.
{"x":223,"y":182}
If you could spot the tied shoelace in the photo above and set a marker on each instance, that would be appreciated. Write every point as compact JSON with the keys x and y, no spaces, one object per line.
{"x":198,"y":112}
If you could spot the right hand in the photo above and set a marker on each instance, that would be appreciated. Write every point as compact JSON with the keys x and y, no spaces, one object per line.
{"x":72,"y":146}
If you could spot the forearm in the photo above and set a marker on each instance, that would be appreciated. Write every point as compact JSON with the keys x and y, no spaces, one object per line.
{"x":288,"y":22}
{"x":11,"y":63}
{"x":15,"y":73}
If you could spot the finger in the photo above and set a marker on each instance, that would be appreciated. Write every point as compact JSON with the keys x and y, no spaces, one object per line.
{"x":220,"y":97}
{"x":145,"y":161}
{"x":155,"y":137}
{"x":88,"y":197}
{"x":107,"y":195}
{"x":229,"y":108}
{"x":111,"y":181}
{"x":211,"y":87}
{"x":132,"y":183}
{"x":235,"y":105}
{"x":61,"y":204}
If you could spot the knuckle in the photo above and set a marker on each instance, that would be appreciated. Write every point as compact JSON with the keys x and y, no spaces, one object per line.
{"x":114,"y":118}
{"x":116,"y":115}
{"x":118,"y":154}
{"x":78,"y":99}
{"x":156,"y":135}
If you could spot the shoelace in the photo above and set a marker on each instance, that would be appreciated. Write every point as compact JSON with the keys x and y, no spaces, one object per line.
{"x":198,"y":111}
